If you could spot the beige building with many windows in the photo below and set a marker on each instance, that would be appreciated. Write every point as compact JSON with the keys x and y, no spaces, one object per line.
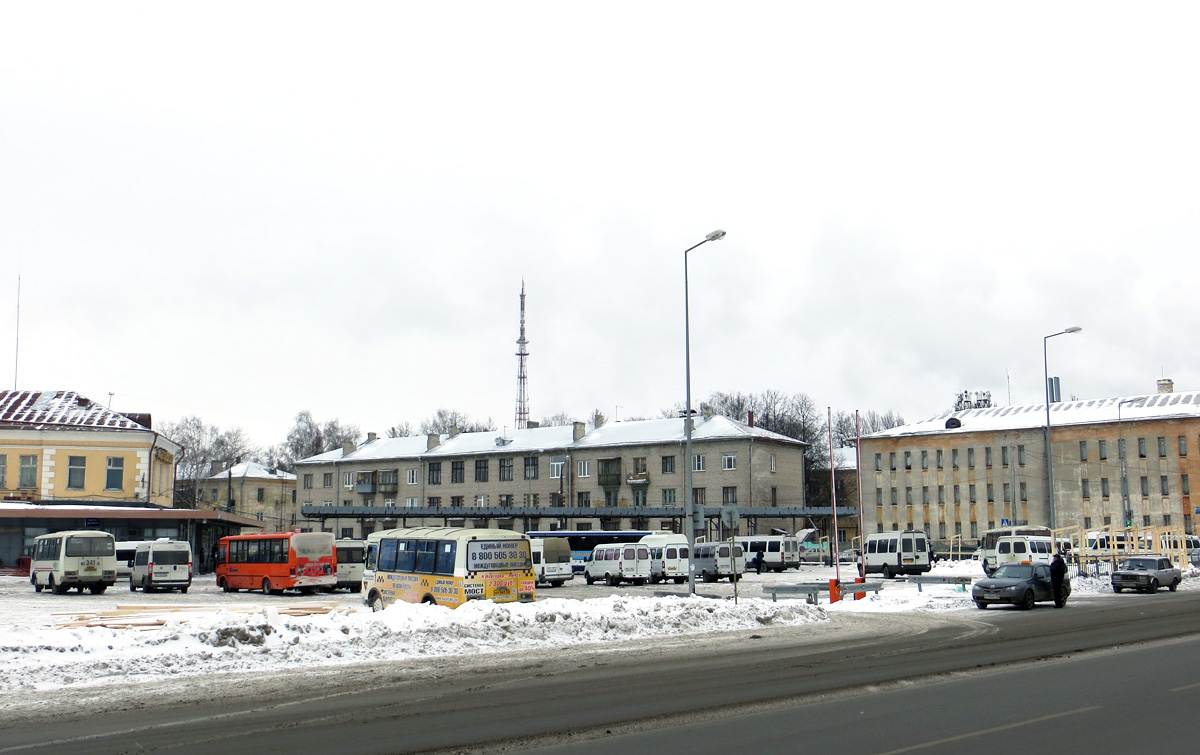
{"x":620,"y":475}
{"x":1118,"y":462}
{"x":255,"y":491}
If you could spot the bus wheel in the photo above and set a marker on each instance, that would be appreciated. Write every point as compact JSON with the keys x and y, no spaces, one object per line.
{"x":376,"y":602}
{"x":887,"y":572}
{"x":57,"y":589}
{"x":146,"y":585}
{"x":132,"y":586}
{"x":680,"y":580}
{"x":428,"y":600}
{"x":588,"y":578}
{"x":221,"y":583}
{"x":183,"y":591}
{"x":266,"y":586}
{"x":37,"y":586}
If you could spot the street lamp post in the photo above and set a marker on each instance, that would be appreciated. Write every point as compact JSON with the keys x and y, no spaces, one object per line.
{"x":1126,"y":516}
{"x":688,"y":508}
{"x":1049,"y":458}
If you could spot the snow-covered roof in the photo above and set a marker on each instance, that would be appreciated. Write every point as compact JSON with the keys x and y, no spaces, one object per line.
{"x":1152,"y":406}
{"x":253,"y":470}
{"x":56,"y":410}
{"x":540,"y":439}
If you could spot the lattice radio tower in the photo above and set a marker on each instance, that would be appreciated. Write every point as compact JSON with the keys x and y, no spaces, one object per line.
{"x":522,"y":355}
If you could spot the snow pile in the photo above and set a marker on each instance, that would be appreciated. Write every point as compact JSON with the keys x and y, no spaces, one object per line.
{"x":39,"y":657}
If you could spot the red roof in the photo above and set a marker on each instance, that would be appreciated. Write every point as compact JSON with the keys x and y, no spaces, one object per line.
{"x":48,"y":410}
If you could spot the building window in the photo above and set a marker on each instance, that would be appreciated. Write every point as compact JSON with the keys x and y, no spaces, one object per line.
{"x":435,"y":501}
{"x":772,"y":463}
{"x":878,"y":462}
{"x":908,"y":495}
{"x":327,"y":480}
{"x":1084,"y":487}
{"x":924,"y":460}
{"x":481,"y":470}
{"x":1141,"y":448}
{"x":531,"y":500}
{"x":878,"y":496}
{"x":971,"y":492}
{"x":458,"y":472}
{"x":957,"y":494}
{"x":1024,"y":493}
{"x":531,"y":467}
{"x":1146,"y":520}
{"x":668,"y":497}
{"x":987,"y":456}
{"x":639,"y":465}
{"x":1004,"y":456}
{"x":958,"y":528}
{"x":970,"y":458}
{"x":729,"y":496}
{"x":556,"y":467}
{"x":1087,"y":522}
{"x":975,"y":529}
{"x":308,"y":482}
{"x":941,"y":495}
{"x":76,"y":467}
{"x":585,"y":469}
{"x":991,"y":493}
{"x":505,"y":500}
{"x":698,"y":463}
{"x":1145,"y":486}
{"x":728,"y":462}
{"x":481,"y":501}
{"x":1184,"y":487}
{"x":941,"y":459}
{"x":411,"y":477}
{"x":1008,"y":493}
{"x":435,"y":473}
{"x":907,"y":460}
{"x":506,"y":470}
{"x":27,"y":475}
{"x":954,"y":458}
{"x":1083,"y":450}
{"x":1166,"y":520}
{"x":895,"y":500}
{"x":941,"y":530}
{"x":262,"y":494}
{"x":892,"y":460}
{"x":1104,"y":487}
{"x":1102,"y":449}
{"x":698,"y":497}
{"x":115,"y":478}
{"x":668,"y":465}
{"x":1162,"y":447}
{"x":584,"y":499}
{"x":1183,"y":445}
{"x":925,"y":494}
{"x":1164,"y":487}
{"x":1020,"y":456}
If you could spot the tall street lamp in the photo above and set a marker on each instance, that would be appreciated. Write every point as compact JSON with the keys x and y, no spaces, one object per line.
{"x":688,"y":509}
{"x":1049,"y":460}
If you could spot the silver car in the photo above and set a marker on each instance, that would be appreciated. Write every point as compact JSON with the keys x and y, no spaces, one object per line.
{"x":1146,"y":573}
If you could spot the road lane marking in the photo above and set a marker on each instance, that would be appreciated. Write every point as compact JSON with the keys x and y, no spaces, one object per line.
{"x":1185,"y":687}
{"x":992,"y":730}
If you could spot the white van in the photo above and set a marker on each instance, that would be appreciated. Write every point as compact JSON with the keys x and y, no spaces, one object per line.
{"x":1023,"y":549}
{"x":162,"y":564}
{"x":618,"y":562}
{"x":78,"y":558}
{"x":668,"y":557}
{"x":715,"y":561}
{"x":351,"y":555}
{"x":125,"y":552}
{"x":551,"y":560}
{"x":779,"y":551}
{"x":892,"y":553}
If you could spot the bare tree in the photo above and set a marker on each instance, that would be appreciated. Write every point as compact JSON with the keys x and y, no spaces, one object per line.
{"x":560,"y":419}
{"x":203,"y":446}
{"x":401,"y":430}
{"x":307,"y":439}
{"x":444,"y":419}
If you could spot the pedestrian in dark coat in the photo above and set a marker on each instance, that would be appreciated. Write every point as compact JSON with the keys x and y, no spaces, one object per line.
{"x":1058,"y":573}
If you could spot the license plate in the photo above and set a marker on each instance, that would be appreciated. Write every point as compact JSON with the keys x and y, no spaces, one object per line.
{"x":89,"y":568}
{"x":991,"y":595}
{"x":501,"y":591}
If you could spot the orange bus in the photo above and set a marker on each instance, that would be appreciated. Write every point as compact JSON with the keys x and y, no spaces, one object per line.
{"x":301,"y":561}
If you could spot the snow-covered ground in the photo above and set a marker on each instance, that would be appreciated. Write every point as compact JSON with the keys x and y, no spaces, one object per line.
{"x":247,"y":632}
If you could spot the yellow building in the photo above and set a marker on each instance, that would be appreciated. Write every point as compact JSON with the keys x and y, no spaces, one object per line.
{"x":252,"y":490}
{"x":59,"y":445}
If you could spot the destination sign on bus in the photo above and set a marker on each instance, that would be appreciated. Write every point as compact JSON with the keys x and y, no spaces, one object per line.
{"x":497,"y":555}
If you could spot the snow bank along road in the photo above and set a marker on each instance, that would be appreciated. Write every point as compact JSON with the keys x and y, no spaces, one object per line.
{"x":227,"y":665}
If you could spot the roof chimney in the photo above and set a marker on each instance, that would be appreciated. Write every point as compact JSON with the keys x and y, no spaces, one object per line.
{"x":578,"y":429}
{"x":1166,"y":385}
{"x":453,"y":431}
{"x":598,"y":421}
{"x":432,"y":441}
{"x":750,"y":421}
{"x":348,"y":447}
{"x":706,"y":410}
{"x":371,"y":437}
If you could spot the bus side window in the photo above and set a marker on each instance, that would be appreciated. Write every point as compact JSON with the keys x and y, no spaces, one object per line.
{"x":387,"y":555}
{"x":372,"y":556}
{"x":445,"y":557}
{"x":892,"y":544}
{"x":426,"y":551}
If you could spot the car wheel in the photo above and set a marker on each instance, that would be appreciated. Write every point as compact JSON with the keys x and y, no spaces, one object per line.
{"x":98,"y":589}
{"x":611,"y":581}
{"x":146,"y":585}
{"x":1117,"y":588}
{"x":981,"y":604}
{"x":1027,"y":601}
{"x":1153,"y":585}
{"x":1173,"y":585}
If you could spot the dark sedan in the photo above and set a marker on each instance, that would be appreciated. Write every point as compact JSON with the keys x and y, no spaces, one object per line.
{"x":1020,"y":585}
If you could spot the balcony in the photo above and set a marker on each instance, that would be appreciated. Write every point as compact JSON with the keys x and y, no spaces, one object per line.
{"x":365,"y":488}
{"x":610,"y":479}
{"x":637,"y":479}
{"x":389,"y":487}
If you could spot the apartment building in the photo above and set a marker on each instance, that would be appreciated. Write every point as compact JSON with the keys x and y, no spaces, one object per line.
{"x":254,"y":491}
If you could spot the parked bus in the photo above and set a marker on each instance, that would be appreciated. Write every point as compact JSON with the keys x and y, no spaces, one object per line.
{"x":78,"y":558}
{"x":668,"y":557}
{"x":891,"y":553}
{"x":618,"y":562}
{"x":447,"y":566}
{"x":551,"y":560}
{"x":719,"y":560}
{"x":351,"y":555}
{"x":779,"y":551}
{"x":301,"y":561}
{"x":987,"y":543}
{"x":583,"y":542}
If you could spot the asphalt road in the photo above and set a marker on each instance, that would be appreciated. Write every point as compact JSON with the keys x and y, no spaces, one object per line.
{"x":773,"y":679}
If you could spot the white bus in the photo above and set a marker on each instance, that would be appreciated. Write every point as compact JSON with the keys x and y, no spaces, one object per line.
{"x":551,"y":560}
{"x":79,"y":558}
{"x":447,"y":566}
{"x":892,"y":553}
{"x":719,"y":560}
{"x":351,"y":555}
{"x":668,"y":557}
{"x":779,"y":551}
{"x":987,"y":543}
{"x":618,"y":562}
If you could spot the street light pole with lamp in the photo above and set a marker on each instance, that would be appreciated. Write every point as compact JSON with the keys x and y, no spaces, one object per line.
{"x":1049,"y":457}
{"x":688,"y":507}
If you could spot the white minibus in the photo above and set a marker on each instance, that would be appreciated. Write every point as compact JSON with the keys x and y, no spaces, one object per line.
{"x":551,"y":560}
{"x":719,"y":560}
{"x":79,"y":558}
{"x":618,"y":562}
{"x":987,"y":543}
{"x":163,"y":564}
{"x":779,"y":551}
{"x":1023,"y":549}
{"x":892,"y":553}
{"x":668,"y":557}
{"x":351,"y":554}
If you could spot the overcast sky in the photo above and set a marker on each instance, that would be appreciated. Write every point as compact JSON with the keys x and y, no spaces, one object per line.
{"x":244,"y":210}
